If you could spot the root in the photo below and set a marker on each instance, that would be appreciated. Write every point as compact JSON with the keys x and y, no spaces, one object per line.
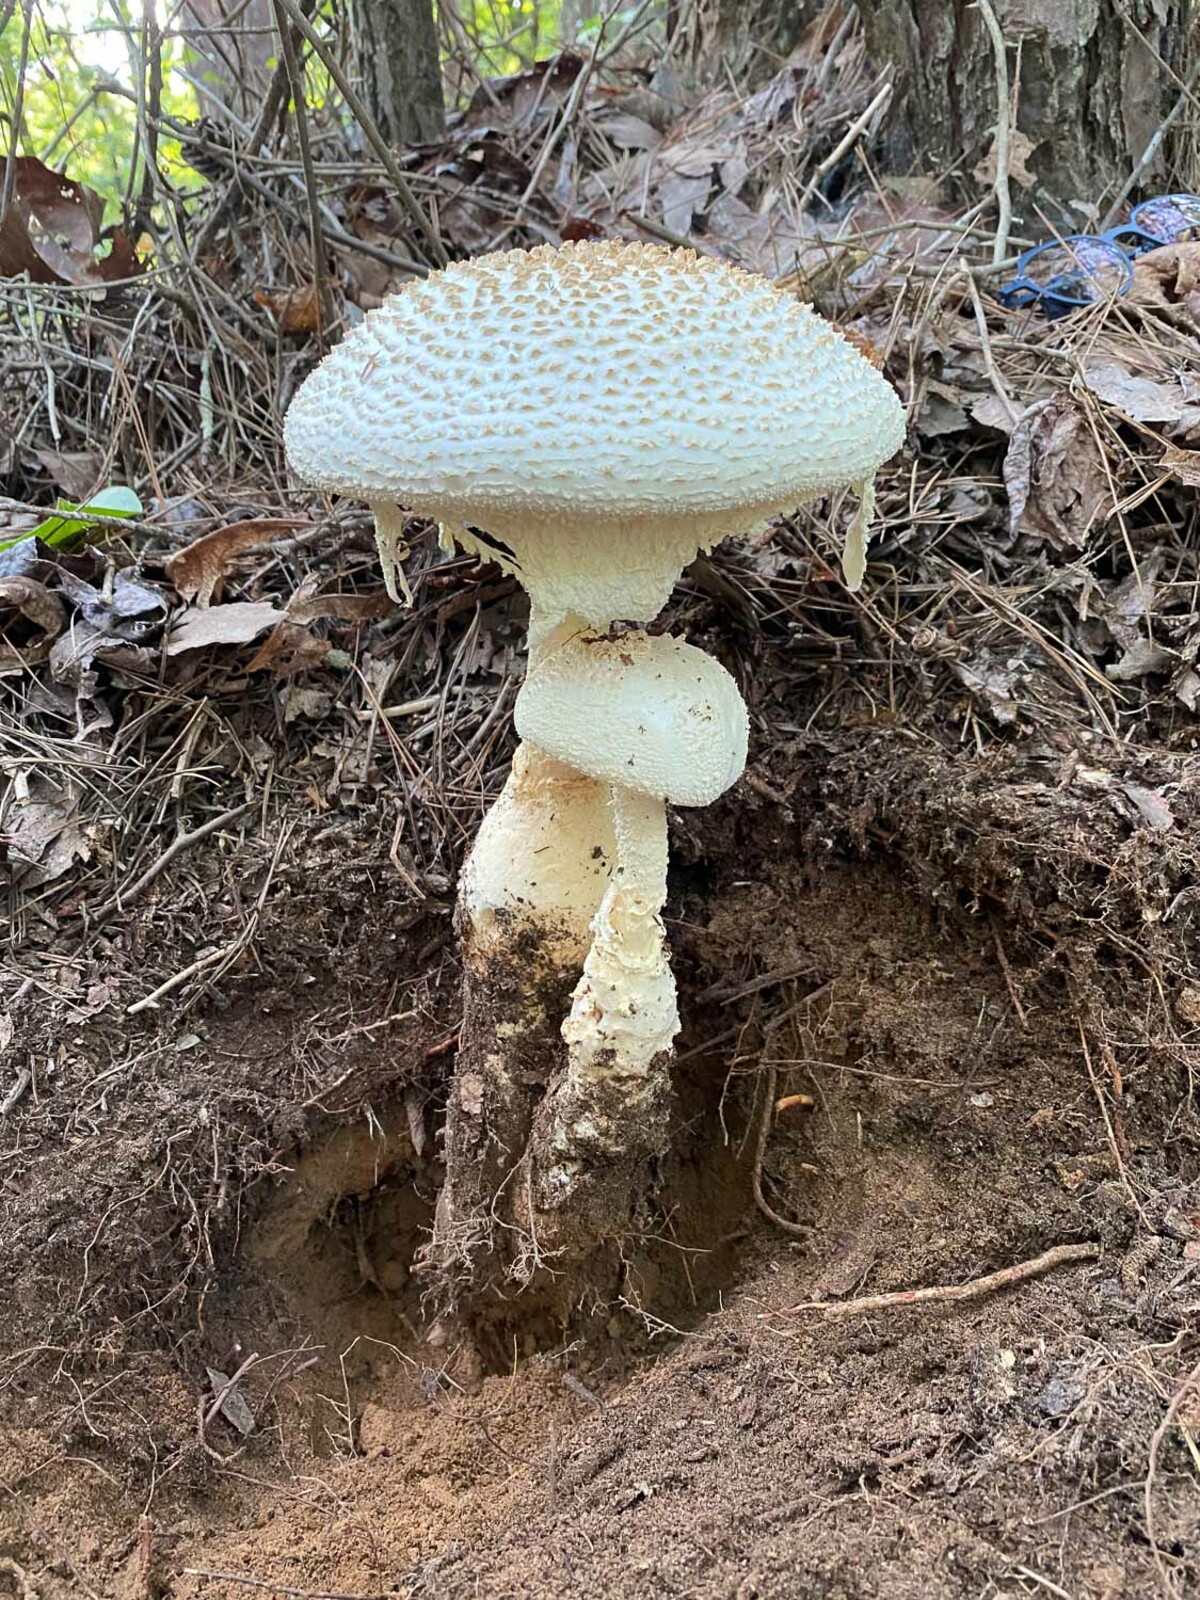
{"x":950,"y":1293}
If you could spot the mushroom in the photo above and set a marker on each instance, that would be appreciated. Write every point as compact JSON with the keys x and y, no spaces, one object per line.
{"x":590,"y":418}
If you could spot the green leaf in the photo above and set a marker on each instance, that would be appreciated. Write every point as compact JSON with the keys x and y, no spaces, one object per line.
{"x":57,"y":531}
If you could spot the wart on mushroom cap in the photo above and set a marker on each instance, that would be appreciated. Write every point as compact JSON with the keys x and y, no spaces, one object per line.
{"x":605,"y":410}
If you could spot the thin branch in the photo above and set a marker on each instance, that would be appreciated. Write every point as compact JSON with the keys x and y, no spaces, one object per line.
{"x":952,"y":1293}
{"x":436,"y":249}
{"x":317,"y":241}
{"x":1003,"y":131}
{"x":1150,"y":153}
{"x":14,"y":132}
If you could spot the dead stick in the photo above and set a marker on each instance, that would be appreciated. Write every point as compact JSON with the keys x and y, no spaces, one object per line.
{"x":433,"y":243}
{"x":799,"y":1230}
{"x":178,"y":845}
{"x":974,"y":1289}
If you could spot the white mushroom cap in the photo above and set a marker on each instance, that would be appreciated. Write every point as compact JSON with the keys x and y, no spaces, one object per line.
{"x":600,"y":394}
{"x":654,"y":715}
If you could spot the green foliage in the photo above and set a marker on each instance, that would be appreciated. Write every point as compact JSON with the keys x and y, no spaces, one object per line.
{"x":511,"y":34}
{"x":80,"y":114}
{"x":64,"y":531}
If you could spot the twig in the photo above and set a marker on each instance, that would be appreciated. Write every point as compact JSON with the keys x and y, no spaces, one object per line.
{"x":985,"y":345}
{"x":14,"y":127}
{"x":799,"y":1229}
{"x":227,"y":952}
{"x":227,"y":1388}
{"x":1151,"y":151}
{"x":17,"y":1093}
{"x":852,"y":134}
{"x":581,"y":1391}
{"x":436,"y":249}
{"x":1009,"y":980}
{"x":1003,"y":132}
{"x":281,"y":1588}
{"x":287,"y":42}
{"x":178,"y":845}
{"x":973,"y":1289}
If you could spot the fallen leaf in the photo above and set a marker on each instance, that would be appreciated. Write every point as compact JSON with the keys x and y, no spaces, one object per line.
{"x":992,"y":682}
{"x":1140,"y":659}
{"x":42,"y":834}
{"x":1020,"y":148}
{"x":1168,"y":280}
{"x":1187,"y":690}
{"x":34,"y":601}
{"x":234,"y":1406}
{"x":295,"y":310}
{"x":1055,"y":475}
{"x":198,"y":568}
{"x":76,"y":473}
{"x":52,"y":231}
{"x":629,"y":132}
{"x":1140,"y":398}
{"x":312,"y":704}
{"x":235,"y":623}
{"x":1150,"y":805}
{"x":991,"y":412}
{"x":289,"y":649}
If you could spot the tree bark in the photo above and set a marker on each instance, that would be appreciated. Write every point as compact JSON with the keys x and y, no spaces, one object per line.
{"x":1093,"y":80}
{"x":396,"y":54}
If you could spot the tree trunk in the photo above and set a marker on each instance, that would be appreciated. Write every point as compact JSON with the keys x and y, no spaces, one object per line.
{"x":1091,"y":81}
{"x":754,"y":37}
{"x":396,"y":54}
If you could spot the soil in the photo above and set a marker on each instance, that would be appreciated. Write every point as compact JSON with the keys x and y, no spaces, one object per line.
{"x":995,"y":1033}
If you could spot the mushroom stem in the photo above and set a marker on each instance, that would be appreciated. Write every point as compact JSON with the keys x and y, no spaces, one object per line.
{"x":623,"y":1013}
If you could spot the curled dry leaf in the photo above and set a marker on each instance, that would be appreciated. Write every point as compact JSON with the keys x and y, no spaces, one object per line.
{"x":1168,"y":280}
{"x":235,"y":623}
{"x":41,"y":834}
{"x":197,"y":569}
{"x":33,"y":600}
{"x":1054,"y":471}
{"x":295,"y":310}
{"x":292,"y":648}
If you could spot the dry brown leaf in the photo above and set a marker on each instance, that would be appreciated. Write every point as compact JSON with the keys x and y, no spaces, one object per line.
{"x":1168,"y":280}
{"x":1020,"y":148}
{"x":235,"y":623}
{"x":34,"y":601}
{"x":198,"y":568}
{"x":1055,"y":475}
{"x":338,"y":607}
{"x":41,"y":834}
{"x":52,"y":231}
{"x":289,"y":648}
{"x":295,"y":310}
{"x":78,"y":474}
